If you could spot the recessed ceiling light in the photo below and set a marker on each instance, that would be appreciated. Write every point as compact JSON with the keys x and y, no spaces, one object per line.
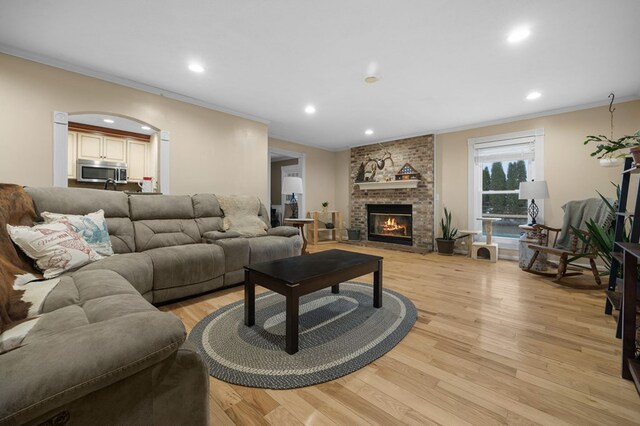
{"x":533,"y":95}
{"x":145,"y":128}
{"x":368,"y":132}
{"x":108,"y":120}
{"x":310,"y":109}
{"x":371,"y":79}
{"x":196,"y":67}
{"x":518,"y":34}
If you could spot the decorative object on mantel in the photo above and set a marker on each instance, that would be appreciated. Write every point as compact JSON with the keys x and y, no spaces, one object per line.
{"x":367,"y":170}
{"x":382,"y":161}
{"x":407,"y":172}
{"x":607,"y":147}
{"x":360,"y":175}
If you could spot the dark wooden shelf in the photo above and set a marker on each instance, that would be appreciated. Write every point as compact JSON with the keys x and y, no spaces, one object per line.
{"x":634,"y":368}
{"x":615,"y":298}
{"x":617,"y":256}
{"x":633,"y":248}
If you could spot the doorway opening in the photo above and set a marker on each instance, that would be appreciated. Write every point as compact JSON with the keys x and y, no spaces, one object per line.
{"x":283,"y":163}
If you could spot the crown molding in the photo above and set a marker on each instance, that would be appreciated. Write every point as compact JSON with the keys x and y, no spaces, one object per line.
{"x":56,"y":63}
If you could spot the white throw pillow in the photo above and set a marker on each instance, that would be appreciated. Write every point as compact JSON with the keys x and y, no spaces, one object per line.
{"x":92,"y":227}
{"x":55,"y":247}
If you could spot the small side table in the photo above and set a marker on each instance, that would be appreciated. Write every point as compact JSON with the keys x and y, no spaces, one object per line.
{"x":299,"y":223}
{"x":530,"y":236}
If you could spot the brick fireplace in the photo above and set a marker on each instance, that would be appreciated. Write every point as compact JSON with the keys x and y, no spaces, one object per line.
{"x":416,"y":202}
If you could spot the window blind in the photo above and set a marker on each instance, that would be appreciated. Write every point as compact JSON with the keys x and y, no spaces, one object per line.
{"x":513,"y":150}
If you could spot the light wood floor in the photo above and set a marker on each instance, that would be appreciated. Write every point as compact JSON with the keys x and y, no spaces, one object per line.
{"x":492,"y":345}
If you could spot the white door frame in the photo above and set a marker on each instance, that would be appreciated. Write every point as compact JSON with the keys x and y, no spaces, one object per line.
{"x":301,"y":156}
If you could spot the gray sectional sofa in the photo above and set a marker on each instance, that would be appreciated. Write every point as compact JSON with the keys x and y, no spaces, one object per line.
{"x":101,"y":353}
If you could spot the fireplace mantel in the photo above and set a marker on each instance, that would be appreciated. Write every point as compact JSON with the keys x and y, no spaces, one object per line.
{"x":394,"y":184}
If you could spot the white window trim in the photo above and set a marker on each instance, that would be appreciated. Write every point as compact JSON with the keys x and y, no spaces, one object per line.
{"x":475,"y":178}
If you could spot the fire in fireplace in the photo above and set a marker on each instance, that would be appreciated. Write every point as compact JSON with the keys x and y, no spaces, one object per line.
{"x":390,"y":223}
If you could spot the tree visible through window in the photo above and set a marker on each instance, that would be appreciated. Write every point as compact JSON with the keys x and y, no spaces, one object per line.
{"x":500,"y":184}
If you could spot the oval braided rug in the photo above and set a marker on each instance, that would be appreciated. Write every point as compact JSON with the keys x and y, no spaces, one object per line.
{"x":338,"y":334}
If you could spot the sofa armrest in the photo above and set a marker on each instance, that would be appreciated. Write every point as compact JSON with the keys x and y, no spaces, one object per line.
{"x":283,"y":231}
{"x":211,"y":236}
{"x":55,"y":370}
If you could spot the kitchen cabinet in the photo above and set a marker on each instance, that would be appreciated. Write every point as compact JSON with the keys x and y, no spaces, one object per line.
{"x":101,"y":148}
{"x":138,"y":159}
{"x":71,"y":154}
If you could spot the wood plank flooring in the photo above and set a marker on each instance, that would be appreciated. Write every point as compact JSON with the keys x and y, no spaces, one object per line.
{"x":492,"y":345}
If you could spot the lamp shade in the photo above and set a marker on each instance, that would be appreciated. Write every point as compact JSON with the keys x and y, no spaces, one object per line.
{"x":292,"y":185}
{"x":536,"y":189}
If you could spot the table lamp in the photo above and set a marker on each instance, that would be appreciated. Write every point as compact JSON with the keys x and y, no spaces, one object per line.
{"x":532,"y":190}
{"x":292,"y":185}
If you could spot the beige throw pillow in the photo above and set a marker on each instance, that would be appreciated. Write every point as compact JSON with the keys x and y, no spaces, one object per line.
{"x":241,"y":215}
{"x":55,"y":247}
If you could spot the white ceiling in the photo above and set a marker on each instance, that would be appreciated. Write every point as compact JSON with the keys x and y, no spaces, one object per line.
{"x":442,"y":64}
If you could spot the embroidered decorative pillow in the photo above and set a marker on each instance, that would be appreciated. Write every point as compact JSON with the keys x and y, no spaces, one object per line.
{"x":92,"y":227}
{"x":55,"y":247}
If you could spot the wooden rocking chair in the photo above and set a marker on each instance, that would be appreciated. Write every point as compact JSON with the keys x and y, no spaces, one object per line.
{"x":580,"y":249}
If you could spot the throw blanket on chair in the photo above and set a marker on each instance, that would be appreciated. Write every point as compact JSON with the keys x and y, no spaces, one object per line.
{"x":577,"y":214}
{"x":16,"y":208}
{"x":241,"y":215}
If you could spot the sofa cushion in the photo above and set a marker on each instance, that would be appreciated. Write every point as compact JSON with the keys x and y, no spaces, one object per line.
{"x":207,"y":212}
{"x":211,"y":236}
{"x":163,"y":221}
{"x":136,"y":268}
{"x":151,"y":234}
{"x":236,"y":253}
{"x":55,"y":368}
{"x":83,"y":286}
{"x":79,"y":201}
{"x":149,"y":207}
{"x":263,"y":249}
{"x":184,"y":265}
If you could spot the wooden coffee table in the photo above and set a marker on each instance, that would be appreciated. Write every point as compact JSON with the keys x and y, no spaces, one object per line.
{"x":296,"y":276}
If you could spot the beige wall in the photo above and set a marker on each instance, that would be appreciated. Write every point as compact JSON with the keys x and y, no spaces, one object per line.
{"x":210,"y":151}
{"x":343,"y":191}
{"x":320,"y":174}
{"x":570,"y":172}
{"x":276,"y":179}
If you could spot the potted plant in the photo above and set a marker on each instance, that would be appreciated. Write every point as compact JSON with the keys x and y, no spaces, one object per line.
{"x":448,"y":239}
{"x":608,"y":149}
{"x":325,"y":206}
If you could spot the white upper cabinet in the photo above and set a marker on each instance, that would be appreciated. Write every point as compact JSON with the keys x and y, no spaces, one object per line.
{"x":115,"y":149}
{"x":107,"y":148}
{"x":138,"y":155}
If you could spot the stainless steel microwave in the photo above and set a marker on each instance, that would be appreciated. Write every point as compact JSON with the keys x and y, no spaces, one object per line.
{"x":100,"y":171}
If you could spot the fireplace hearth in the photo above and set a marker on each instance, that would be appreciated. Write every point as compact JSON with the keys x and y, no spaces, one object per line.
{"x":390,"y":223}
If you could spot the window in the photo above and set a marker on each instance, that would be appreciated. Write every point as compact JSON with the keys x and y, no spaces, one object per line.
{"x":497,"y":165}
